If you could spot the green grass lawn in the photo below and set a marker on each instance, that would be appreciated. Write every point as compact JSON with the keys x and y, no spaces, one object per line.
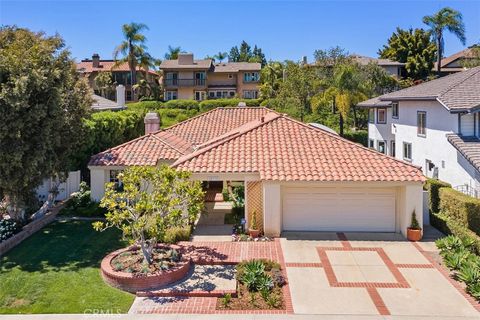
{"x":57,"y":271}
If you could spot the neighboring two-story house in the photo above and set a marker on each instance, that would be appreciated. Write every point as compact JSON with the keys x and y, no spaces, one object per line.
{"x":434,"y":125}
{"x":187,"y":78}
{"x":90,"y":68}
{"x":456,"y":62}
{"x":393,"y":68}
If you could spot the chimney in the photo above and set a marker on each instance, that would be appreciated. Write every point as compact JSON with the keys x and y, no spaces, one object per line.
{"x":304,"y":60}
{"x":185,"y":58}
{"x":121,"y":96}
{"x":96,"y":60}
{"x":152,"y":122}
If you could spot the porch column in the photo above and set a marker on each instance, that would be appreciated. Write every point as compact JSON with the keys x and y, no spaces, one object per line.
{"x":272,"y":213}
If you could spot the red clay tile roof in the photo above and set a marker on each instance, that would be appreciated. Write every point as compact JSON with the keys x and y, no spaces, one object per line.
{"x":145,"y":150}
{"x":179,"y":139}
{"x":86,"y":66}
{"x":283,"y":149}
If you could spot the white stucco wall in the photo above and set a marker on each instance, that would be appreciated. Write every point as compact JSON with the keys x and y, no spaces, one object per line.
{"x":452,"y":166}
{"x":272,"y":209}
{"x":98,"y":177}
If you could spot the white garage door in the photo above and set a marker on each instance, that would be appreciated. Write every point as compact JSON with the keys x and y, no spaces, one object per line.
{"x":338,"y":209}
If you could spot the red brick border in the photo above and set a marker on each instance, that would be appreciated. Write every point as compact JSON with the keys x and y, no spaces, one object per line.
{"x":133,"y":283}
{"x":378,"y":301}
{"x":414,"y":265}
{"x":286,"y":288}
{"x":194,"y":293}
{"x":303,"y":265}
{"x":333,"y":281}
{"x":446,"y":273}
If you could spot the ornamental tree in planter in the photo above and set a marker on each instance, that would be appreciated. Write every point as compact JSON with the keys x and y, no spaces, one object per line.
{"x":151,"y":201}
{"x":414,"y":232}
{"x":253,"y":231}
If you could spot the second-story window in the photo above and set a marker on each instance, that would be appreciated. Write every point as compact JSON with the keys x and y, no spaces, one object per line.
{"x":407,"y":151}
{"x":381,"y":115}
{"x":251,"y":77}
{"x":395,"y":110}
{"x":371,"y":115}
{"x":421,"y":123}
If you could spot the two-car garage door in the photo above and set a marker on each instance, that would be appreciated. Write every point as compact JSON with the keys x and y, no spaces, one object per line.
{"x":338,"y":209}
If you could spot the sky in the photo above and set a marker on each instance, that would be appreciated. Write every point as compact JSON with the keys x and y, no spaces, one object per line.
{"x":283,"y":29}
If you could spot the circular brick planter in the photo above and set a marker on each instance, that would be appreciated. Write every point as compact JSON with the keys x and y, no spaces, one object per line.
{"x":138,"y":282}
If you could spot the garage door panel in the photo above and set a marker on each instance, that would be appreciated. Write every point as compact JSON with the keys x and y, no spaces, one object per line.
{"x":338,"y":209}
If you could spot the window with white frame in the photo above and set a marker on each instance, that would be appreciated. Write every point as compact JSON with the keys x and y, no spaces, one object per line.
{"x":200,"y":95}
{"x":171,"y":95}
{"x":381,"y":115}
{"x":421,"y":123}
{"x":371,"y":143}
{"x":392,"y":148}
{"x":371,"y":115}
{"x":250,"y":94}
{"x":407,"y":151}
{"x":395,"y":110}
{"x":382,"y":146}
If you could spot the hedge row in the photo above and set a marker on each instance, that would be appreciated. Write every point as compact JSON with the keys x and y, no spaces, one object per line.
{"x":461,"y":208}
{"x":433,"y":186}
{"x":359,"y":136}
{"x":191,"y":104}
{"x":449,"y":226}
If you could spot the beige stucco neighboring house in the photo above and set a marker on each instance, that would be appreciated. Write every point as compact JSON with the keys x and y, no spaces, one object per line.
{"x":297,"y":177}
{"x":457,"y":61}
{"x":90,"y":68}
{"x":187,"y":78}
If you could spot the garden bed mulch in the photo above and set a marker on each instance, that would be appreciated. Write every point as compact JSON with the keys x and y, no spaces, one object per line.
{"x":133,"y":261}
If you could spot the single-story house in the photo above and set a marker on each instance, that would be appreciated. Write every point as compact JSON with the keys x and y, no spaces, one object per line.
{"x":297,"y":177}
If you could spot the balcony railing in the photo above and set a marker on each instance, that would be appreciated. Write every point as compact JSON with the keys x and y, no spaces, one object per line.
{"x":185,"y":82}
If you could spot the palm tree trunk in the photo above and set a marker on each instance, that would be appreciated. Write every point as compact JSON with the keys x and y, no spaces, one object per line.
{"x":340,"y":123}
{"x":439,"y":55}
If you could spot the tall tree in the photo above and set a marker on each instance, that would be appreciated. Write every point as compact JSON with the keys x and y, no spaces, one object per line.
{"x":298,"y":87}
{"x":245,"y":54}
{"x":445,"y":19}
{"x":415,"y":48}
{"x":42,"y":102}
{"x":271,"y":77}
{"x":345,"y":90}
{"x":220,"y":56}
{"x":172,"y":53}
{"x":132,"y":48}
{"x":104,"y":83}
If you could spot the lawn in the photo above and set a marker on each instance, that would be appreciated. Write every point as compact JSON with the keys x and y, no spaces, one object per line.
{"x":57,"y":271}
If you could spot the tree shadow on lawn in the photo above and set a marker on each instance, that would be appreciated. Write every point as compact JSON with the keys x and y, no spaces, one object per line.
{"x":62,"y":246}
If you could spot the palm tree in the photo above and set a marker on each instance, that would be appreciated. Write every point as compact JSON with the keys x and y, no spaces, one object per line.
{"x":132,"y":48}
{"x":220,"y":56}
{"x":445,"y":19}
{"x":172,"y":53}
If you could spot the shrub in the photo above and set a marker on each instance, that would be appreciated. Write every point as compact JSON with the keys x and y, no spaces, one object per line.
{"x":414,"y":222}
{"x":433,"y":186}
{"x":170,"y":117}
{"x":359,"y":136}
{"x":449,"y":226}
{"x":463,"y":209}
{"x":8,"y":228}
{"x":182,"y":104}
{"x":176,"y":234}
{"x":218,"y":103}
{"x":145,"y":105}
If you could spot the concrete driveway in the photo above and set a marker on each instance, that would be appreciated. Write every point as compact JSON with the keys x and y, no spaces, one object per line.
{"x":370,"y":274}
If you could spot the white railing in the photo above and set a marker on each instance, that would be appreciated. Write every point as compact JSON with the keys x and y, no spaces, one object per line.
{"x":468,"y":190}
